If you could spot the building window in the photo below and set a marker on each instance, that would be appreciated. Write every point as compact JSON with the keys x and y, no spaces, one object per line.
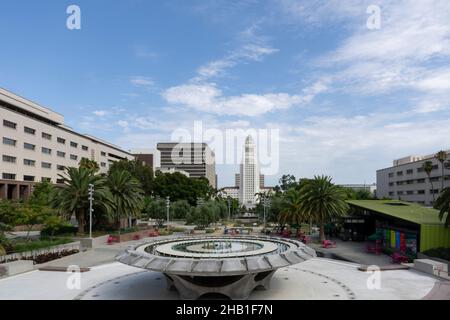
{"x":103,"y":164}
{"x":435,"y":191}
{"x":73,"y":157}
{"x":9,"y":176}
{"x":103,"y":154}
{"x":60,"y":168}
{"x":29,"y":130}
{"x":421,"y":181}
{"x":409,"y":192}
{"x":28,"y":162}
{"x":28,"y":178}
{"x":29,"y":146}
{"x":45,"y":179}
{"x":400,"y":193}
{"x":434,"y":179}
{"x":46,"y":165}
{"x":73,"y":144}
{"x":84,"y":148}
{"x":9,"y":124}
{"x":410,"y":182}
{"x":391,"y":184}
{"x":410,"y":171}
{"x":46,"y":136}
{"x":46,"y":150}
{"x":61,"y":154}
{"x":399,"y":173}
{"x":9,"y":159}
{"x":421,"y":192}
{"x":60,"y":181}
{"x":9,"y":142}
{"x":391,"y":175}
{"x":61,"y":140}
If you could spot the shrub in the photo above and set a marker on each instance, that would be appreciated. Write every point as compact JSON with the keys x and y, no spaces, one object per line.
{"x":2,"y":251}
{"x":63,"y":230}
{"x":178,"y":229}
{"x":210,"y":230}
{"x":165,"y":232}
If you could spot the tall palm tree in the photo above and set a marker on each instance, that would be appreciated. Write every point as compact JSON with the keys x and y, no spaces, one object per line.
{"x":321,"y":200}
{"x":428,"y":168}
{"x":291,"y":211}
{"x":127,"y":195}
{"x":72,"y":198}
{"x":443,"y":204}
{"x":441,"y":156}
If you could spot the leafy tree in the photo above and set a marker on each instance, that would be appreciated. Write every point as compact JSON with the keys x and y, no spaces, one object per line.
{"x":127,"y":195}
{"x":180,"y":209}
{"x":42,"y":193}
{"x":321,"y":200}
{"x":156,"y":209}
{"x":8,"y":211}
{"x":441,"y":156}
{"x":53,"y":223}
{"x":137,"y":169}
{"x":73,"y":197}
{"x":31,"y":214}
{"x":428,"y":168}
{"x":205,"y":214}
{"x":292,"y":211}
{"x":443,"y":204}
{"x":91,"y":165}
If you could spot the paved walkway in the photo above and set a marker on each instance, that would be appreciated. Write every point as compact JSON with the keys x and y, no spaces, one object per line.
{"x":353,"y":252}
{"x":314,"y":279}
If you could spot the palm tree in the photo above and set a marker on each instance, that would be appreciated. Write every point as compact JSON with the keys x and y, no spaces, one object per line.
{"x":321,"y":200}
{"x":73,"y":197}
{"x":443,"y":204}
{"x":441,"y":156}
{"x":291,"y":212}
{"x":428,"y":167}
{"x":127,"y":195}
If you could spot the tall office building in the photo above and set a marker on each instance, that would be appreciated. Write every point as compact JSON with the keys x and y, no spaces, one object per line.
{"x":249,"y":175}
{"x":37,"y":146}
{"x":406,"y":180}
{"x":197,"y":159}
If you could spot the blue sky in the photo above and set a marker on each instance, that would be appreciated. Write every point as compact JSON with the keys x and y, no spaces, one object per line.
{"x":346,"y":100}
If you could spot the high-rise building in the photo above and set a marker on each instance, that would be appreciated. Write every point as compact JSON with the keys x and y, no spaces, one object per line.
{"x":197,"y":159}
{"x":249,"y":175}
{"x":406,"y":180}
{"x":37,"y":146}
{"x":237,"y":180}
{"x":147,"y":157}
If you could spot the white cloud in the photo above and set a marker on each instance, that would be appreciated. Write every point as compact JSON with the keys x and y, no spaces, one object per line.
{"x":100,"y":113}
{"x":141,"y":81}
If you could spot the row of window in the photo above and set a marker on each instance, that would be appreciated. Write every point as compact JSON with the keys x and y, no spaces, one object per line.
{"x":410,"y":171}
{"x":401,"y":193}
{"x":12,"y":176}
{"x":46,"y":136}
{"x":32,"y":147}
{"x":409,"y":182}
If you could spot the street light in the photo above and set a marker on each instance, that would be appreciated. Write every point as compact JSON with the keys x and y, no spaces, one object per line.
{"x":91,"y":199}
{"x":168,"y":210}
{"x":266,"y":203}
{"x":229,"y":209}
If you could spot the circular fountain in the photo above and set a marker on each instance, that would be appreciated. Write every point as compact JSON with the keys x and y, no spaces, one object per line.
{"x":228,"y":266}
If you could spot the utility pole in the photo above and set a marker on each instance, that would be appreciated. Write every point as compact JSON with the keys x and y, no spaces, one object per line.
{"x":168,"y":210}
{"x":91,"y":199}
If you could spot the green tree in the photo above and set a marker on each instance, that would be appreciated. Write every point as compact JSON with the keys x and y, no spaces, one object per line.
{"x":73,"y":198}
{"x":443,"y":205}
{"x":41,"y":193}
{"x":30,"y":214}
{"x":53,"y":223}
{"x":428,"y":168}
{"x":156,"y":209}
{"x":322,"y":201}
{"x":205,"y":214}
{"x":441,"y":156}
{"x":292,"y":212}
{"x":127,"y":195}
{"x":91,"y":165}
{"x":137,"y":169}
{"x":180,"y":209}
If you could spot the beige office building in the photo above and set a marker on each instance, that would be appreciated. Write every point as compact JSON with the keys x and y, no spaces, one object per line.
{"x":36,"y":146}
{"x":406,"y":180}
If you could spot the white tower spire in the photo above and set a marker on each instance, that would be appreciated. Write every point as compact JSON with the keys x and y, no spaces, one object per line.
{"x":249,"y":178}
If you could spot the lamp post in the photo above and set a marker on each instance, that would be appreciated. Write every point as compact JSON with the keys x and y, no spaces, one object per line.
{"x":266,"y":204}
{"x":168,"y":210}
{"x":229,"y":209}
{"x":91,"y":199}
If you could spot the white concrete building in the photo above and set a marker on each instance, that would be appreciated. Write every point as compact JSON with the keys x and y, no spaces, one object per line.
{"x":406,"y":180}
{"x":232,"y":192}
{"x":36,"y":146}
{"x":249,"y":175}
